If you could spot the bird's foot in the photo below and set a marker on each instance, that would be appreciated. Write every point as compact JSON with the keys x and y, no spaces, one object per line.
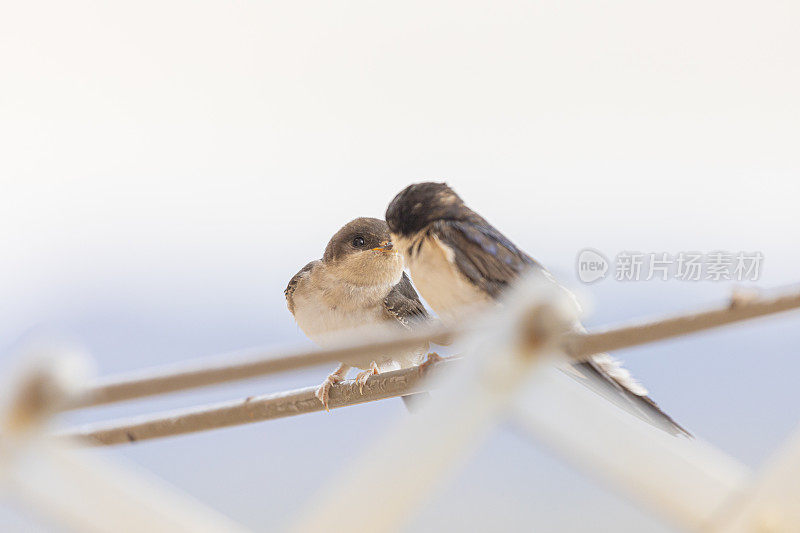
{"x":432,"y":359}
{"x":362,"y":377}
{"x":323,"y":391}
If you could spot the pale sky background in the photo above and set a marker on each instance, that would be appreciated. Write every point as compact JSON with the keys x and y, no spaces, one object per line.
{"x":167,"y":166}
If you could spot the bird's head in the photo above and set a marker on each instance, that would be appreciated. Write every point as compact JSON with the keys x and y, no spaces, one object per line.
{"x":361,"y":253}
{"x":418,"y":205}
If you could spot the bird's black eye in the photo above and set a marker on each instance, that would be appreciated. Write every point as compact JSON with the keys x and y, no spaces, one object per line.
{"x":358,"y":242}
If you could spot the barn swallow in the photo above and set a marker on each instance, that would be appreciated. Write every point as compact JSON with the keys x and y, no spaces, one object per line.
{"x":460,"y":263}
{"x":359,"y":282}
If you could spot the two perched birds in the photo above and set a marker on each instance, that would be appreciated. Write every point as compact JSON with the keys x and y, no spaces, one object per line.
{"x":458,"y":261}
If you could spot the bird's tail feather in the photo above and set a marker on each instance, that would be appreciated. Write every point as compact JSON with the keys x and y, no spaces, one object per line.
{"x":638,"y":405}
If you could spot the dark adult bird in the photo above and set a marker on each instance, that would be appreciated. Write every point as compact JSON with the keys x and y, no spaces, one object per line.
{"x":460,"y":263}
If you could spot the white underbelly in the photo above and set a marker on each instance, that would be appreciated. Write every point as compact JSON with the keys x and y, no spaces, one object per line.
{"x":326,"y":326}
{"x":440,"y":283}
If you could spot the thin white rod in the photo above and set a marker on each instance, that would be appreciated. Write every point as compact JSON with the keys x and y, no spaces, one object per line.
{"x":233,"y":367}
{"x":386,"y":385}
{"x":740,"y":307}
{"x":254,"y":409}
{"x":228,"y":368}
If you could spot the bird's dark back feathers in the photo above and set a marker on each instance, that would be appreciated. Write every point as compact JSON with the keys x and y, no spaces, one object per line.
{"x":419,"y":204}
{"x":483,"y":254}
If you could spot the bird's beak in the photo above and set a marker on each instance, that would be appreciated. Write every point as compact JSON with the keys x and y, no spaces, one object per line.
{"x":386,"y":246}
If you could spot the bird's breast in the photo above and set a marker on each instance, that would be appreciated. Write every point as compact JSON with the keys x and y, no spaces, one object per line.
{"x":325,"y":325}
{"x":438,"y":279}
{"x":320,"y":316}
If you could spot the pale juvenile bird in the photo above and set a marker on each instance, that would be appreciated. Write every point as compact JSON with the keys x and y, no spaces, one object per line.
{"x":359,"y":282}
{"x":460,"y":262}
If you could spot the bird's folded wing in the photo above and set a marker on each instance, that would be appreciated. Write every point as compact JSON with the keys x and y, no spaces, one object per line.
{"x":482,"y":254}
{"x":290,"y":288}
{"x":620,"y":392}
{"x":404,"y":305}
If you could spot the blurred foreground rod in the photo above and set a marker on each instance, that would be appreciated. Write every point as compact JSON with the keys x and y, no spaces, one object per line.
{"x":689,"y":483}
{"x":511,"y":367}
{"x":228,"y":368}
{"x":66,"y":484}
